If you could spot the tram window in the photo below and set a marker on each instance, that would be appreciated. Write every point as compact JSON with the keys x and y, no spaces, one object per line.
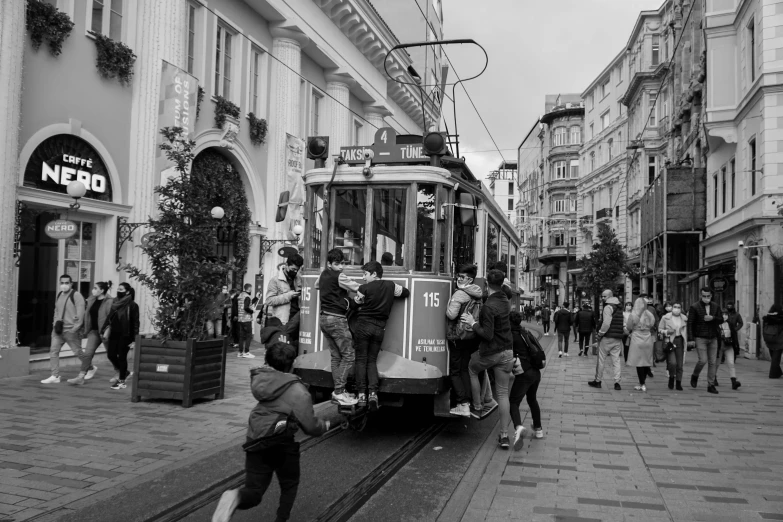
{"x":425,"y":223}
{"x":388,"y":226}
{"x":512,"y":267}
{"x":492,"y":244}
{"x":317,"y":227}
{"x":464,"y":240}
{"x":504,"y":250}
{"x":349,"y":219}
{"x":443,"y":197}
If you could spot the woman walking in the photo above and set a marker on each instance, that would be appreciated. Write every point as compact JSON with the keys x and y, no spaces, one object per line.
{"x":121,"y":329}
{"x":98,"y":306}
{"x":772,"y":331}
{"x":674,"y":326}
{"x":726,"y":347}
{"x":626,"y":339}
{"x":640,"y":350}
{"x":525,"y":383}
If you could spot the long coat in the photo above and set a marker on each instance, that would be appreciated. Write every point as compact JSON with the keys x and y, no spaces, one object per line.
{"x":640,"y":352}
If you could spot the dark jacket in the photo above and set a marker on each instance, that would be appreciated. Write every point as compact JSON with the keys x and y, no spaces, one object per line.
{"x":772,"y":331}
{"x":698,"y":327}
{"x":545,"y":314}
{"x":125,"y":323}
{"x":284,"y":405}
{"x":273,"y":332}
{"x":585,"y":321}
{"x":562,"y":320}
{"x":735,"y":322}
{"x":524,"y":345}
{"x":493,"y":327}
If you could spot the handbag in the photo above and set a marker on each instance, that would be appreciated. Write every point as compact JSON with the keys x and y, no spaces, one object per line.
{"x":59,"y":325}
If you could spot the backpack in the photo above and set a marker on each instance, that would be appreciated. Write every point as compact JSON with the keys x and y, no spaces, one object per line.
{"x":537,"y":355}
{"x":463,"y":331}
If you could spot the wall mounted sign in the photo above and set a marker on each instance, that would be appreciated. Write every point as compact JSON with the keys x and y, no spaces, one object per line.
{"x":63,"y":158}
{"x":719,"y":284}
{"x":61,"y":229}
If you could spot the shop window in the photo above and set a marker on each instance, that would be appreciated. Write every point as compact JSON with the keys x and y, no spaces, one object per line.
{"x":223,"y":55}
{"x":349,"y":222}
{"x":316,"y":226}
{"x":388,"y":226}
{"x":106,"y":18}
{"x":79,"y":257}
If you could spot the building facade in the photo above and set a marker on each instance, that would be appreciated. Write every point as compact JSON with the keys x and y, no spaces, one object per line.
{"x":314,"y":68}
{"x":503,"y":186}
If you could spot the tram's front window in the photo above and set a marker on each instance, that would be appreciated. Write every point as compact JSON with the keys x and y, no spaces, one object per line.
{"x":492,"y":244}
{"x":388,"y":226}
{"x":425,"y":233}
{"x":349,"y":220}
{"x":512,"y":267}
{"x":504,"y":250}
{"x":317,"y":226}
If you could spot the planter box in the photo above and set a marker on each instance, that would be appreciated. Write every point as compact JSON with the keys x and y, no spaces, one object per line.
{"x":181,"y":370}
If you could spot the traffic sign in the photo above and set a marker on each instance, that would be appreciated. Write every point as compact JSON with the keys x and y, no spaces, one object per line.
{"x":61,"y":229}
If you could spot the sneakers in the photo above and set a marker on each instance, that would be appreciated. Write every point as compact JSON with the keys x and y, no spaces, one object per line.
{"x":566,"y":354}
{"x":712,"y":389}
{"x":461,"y":410}
{"x":51,"y":380}
{"x":119,"y":385}
{"x":91,"y":372}
{"x":560,"y":354}
{"x":694,"y":381}
{"x":640,"y":387}
{"x":617,"y":386}
{"x":79,"y":380}
{"x":489,"y":408}
{"x":362,"y":399}
{"x":240,"y":355}
{"x":667,"y":374}
{"x":227,"y":505}
{"x":249,"y":355}
{"x":594,"y":384}
{"x":503,"y":441}
{"x":343,"y":399}
{"x":519,"y":432}
{"x":373,"y":401}
{"x":115,"y":379}
{"x":477,"y":414}
{"x":539,"y":432}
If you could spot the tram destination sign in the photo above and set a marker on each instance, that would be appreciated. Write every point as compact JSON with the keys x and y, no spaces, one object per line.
{"x":61,"y":229}
{"x":386,"y":150}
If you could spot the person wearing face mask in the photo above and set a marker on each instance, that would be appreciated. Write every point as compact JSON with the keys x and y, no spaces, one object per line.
{"x":667,"y":309}
{"x":675,"y":327}
{"x":214,"y":314}
{"x":98,"y":307}
{"x":640,"y":353}
{"x":648,"y":299}
{"x":704,"y":319}
{"x":626,"y":338}
{"x":67,"y":325}
{"x":726,"y":348}
{"x":121,"y":329}
{"x":735,"y":325}
{"x":282,"y":297}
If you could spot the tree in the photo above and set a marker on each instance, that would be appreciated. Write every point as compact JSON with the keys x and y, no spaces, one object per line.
{"x":185,"y":275}
{"x":605,"y":264}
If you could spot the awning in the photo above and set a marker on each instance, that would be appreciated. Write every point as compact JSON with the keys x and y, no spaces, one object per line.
{"x":726,"y":265}
{"x":526,"y":298}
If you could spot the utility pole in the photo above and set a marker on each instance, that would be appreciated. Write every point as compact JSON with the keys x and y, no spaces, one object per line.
{"x":568,"y":249}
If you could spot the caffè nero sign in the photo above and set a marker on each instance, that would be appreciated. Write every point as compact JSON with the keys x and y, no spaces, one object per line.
{"x":64,"y":158}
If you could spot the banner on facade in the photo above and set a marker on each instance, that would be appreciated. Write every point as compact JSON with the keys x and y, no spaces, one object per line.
{"x":176,"y":108}
{"x":294,"y":184}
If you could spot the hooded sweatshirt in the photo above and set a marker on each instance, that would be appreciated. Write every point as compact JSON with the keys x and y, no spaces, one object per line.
{"x":273,"y":332}
{"x":460,"y":298}
{"x":284,"y":405}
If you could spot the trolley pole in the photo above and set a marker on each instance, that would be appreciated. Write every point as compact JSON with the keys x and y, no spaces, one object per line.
{"x":568,"y":249}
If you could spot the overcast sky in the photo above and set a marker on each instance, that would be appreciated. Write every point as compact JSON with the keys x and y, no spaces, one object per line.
{"x":535,"y":47}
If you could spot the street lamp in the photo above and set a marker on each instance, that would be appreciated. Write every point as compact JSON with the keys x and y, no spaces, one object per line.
{"x":217,"y":213}
{"x":76,"y":190}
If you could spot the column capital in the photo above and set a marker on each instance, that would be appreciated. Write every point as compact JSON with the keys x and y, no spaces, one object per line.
{"x":289,"y":33}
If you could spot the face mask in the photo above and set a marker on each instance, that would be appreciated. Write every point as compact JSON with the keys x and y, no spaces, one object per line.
{"x":669,"y":308}
{"x":64,"y":287}
{"x":676,"y":311}
{"x":706,"y":300}
{"x":120,"y":293}
{"x":225,"y":290}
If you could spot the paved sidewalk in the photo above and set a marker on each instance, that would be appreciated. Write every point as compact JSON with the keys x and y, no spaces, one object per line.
{"x":61,"y":444}
{"x":624,"y":455}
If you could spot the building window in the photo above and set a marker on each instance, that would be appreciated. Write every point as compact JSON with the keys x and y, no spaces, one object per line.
{"x":574,"y":168}
{"x":315,"y":113}
{"x":611,"y":196}
{"x":191,"y":36}
{"x":255,"y":82}
{"x":752,"y":48}
{"x":558,"y":239}
{"x":572,"y":204}
{"x":559,"y":205}
{"x":752,"y":163}
{"x":651,"y":108}
{"x":652,"y":169}
{"x":560,"y":136}
{"x":590,"y":102}
{"x":619,"y":109}
{"x":572,"y":239}
{"x":592,"y":161}
{"x":576,"y":135}
{"x":510,"y":188}
{"x":656,"y":49}
{"x":223,"y":53}
{"x":605,"y":119}
{"x":592,"y":205}
{"x":510,"y":204}
{"x":715,"y":195}
{"x":592,"y":131}
{"x":610,"y":148}
{"x":357,"y":133}
{"x":723,"y":190}
{"x":733,"y":167}
{"x":560,"y":170}
{"x":605,"y":89}
{"x":107,"y":14}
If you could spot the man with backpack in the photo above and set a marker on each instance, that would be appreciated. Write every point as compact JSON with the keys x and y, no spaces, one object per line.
{"x":530,"y":360}
{"x":69,"y":308}
{"x":609,"y":339}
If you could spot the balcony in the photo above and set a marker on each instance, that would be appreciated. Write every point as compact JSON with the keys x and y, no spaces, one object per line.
{"x":586,"y":223}
{"x":602,"y":215}
{"x":556,"y":252}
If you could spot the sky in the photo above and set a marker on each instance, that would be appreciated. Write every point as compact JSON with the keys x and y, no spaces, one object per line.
{"x":535,"y":48}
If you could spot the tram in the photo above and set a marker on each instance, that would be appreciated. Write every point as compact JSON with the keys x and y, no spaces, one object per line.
{"x":421,"y":222}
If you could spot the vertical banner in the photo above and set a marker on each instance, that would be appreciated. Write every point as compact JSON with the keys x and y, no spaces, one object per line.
{"x":176,"y":108}
{"x":294,"y":170}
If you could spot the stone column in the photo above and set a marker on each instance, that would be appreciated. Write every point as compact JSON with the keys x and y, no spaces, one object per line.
{"x":159,"y":36}
{"x":12,"y":34}
{"x":340,"y":120}
{"x":285,"y":115}
{"x":374,"y":116}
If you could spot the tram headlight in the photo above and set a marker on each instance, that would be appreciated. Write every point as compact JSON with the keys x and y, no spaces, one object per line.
{"x":367,"y":172}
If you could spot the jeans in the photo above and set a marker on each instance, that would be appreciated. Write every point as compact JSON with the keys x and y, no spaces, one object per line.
{"x":576,"y":334}
{"x":93,"y":342}
{"x":117,"y":352}
{"x":281,"y":460}
{"x":775,"y":372}
{"x":291,"y":329}
{"x":728,"y":353}
{"x":546,"y":327}
{"x":73,"y":339}
{"x":675,"y":358}
{"x":501,"y":363}
{"x":367,"y":341}
{"x":562,"y":341}
{"x":214,"y":328}
{"x":708,"y":353}
{"x":459,"y":358}
{"x":245,"y":336}
{"x":340,"y":343}
{"x":584,"y":341}
{"x":525,"y":386}
{"x":613,"y":348}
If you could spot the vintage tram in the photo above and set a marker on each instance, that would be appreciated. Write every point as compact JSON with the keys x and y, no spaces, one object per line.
{"x":421,"y":222}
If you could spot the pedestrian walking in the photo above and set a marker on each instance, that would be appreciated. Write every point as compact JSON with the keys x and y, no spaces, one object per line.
{"x":375,"y":298}
{"x":215,"y":312}
{"x":674,"y":326}
{"x":726,"y":350}
{"x":563,"y":323}
{"x":538,"y":314}
{"x":735,"y":325}
{"x":626,"y":338}
{"x":495,"y":351}
{"x":772,"y":331}
{"x":609,"y":339}
{"x":640,"y":351}
{"x":655,"y":310}
{"x":525,"y":349}
{"x":69,"y":308}
{"x":284,"y":405}
{"x":233,"y":315}
{"x":462,"y":343}
{"x":245,"y":304}
{"x":704,"y":318}
{"x":119,"y":333}
{"x":545,"y":318}
{"x":585,"y":325}
{"x":282,"y":296}
{"x":333,"y":286}
{"x":97,"y":310}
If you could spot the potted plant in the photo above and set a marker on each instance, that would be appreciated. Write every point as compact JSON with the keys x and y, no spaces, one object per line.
{"x":183,"y":275}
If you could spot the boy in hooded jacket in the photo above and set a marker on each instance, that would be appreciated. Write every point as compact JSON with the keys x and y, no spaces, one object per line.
{"x":284,"y":405}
